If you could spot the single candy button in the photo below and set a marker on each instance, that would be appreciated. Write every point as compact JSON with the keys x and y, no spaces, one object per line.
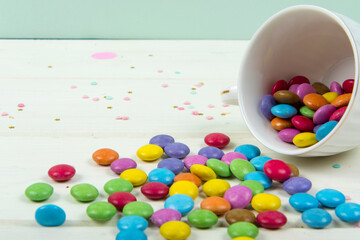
{"x":155,"y":190}
{"x":138,"y":208}
{"x":120,"y":199}
{"x":279,"y":85}
{"x":294,"y":170}
{"x":215,"y":187}
{"x":267,"y":102}
{"x":122,"y":164}
{"x":304,"y":89}
{"x":194,"y":159}
{"x":202,"y":218}
{"x":330,"y":96}
{"x":240,"y":215}
{"x":342,"y":100}
{"x":132,"y":234}
{"x":337,"y":115}
{"x":316,"y":218}
{"x":265,"y":201}
{"x":132,"y":223}
{"x":286,"y":97}
{"x":288,"y":134}
{"x":188,"y":177}
{"x":243,"y":229}
{"x":161,"y":140}
{"x":228,"y":157}
{"x":293,"y":88}
{"x":101,"y":211}
{"x":238,"y":196}
{"x":165,"y":215}
{"x":203,"y":172}
{"x":184,"y":187}
{"x":218,"y":140}
{"x":162,"y":175}
{"x":297,"y":185}
{"x":255,"y":186}
{"x":137,"y":177}
{"x":105,"y":156}
{"x":281,"y":124}
{"x":39,"y":191}
{"x":323,"y":114}
{"x":325,"y":129}
{"x":118,"y":185}
{"x":61,"y":172}
{"x":316,"y":128}
{"x":149,"y":152}
{"x":250,"y":151}
{"x":298,"y":80}
{"x":175,"y":230}
{"x":314,"y":101}
{"x":348,"y":212}
{"x":320,"y":88}
{"x":303,"y":201}
{"x":271,"y":219}
{"x":50,"y":215}
{"x":84,"y":192}
{"x":180,"y":202}
{"x":219,"y":167}
{"x":260,"y":177}
{"x":217,"y":205}
{"x":336,"y":87}
{"x":348,"y":85}
{"x":302,"y":123}
{"x":241,"y":167}
{"x":277,"y":170}
{"x":283,"y":111}
{"x":307,"y":112}
{"x":330,"y":197}
{"x":259,"y":161}
{"x":211,"y":152}
{"x":177,"y":150}
{"x":173,"y":164}
{"x":305,"y":139}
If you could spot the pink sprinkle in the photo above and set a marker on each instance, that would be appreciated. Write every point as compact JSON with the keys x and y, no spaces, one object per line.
{"x":73,"y":86}
{"x":199,"y":85}
{"x":95,"y":99}
{"x":347,"y":198}
{"x":357,"y":225}
{"x":160,"y":71}
{"x":125,"y":118}
{"x":164,"y":85}
{"x":181,"y":108}
{"x":118,"y":118}
{"x":225,"y":105}
{"x":211,"y":106}
{"x":126,"y":99}
{"x":195,"y":113}
{"x":85,"y":96}
{"x":4,"y":114}
{"x":104,"y":55}
{"x":21,"y":105}
{"x":187,"y":103}
{"x":209,"y":118}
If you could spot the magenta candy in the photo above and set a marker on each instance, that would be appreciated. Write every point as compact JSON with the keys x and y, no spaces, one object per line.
{"x":277,"y":170}
{"x":323,"y":114}
{"x":304,"y":89}
{"x":316,"y":128}
{"x":238,"y":196}
{"x":298,"y":80}
{"x":279,"y":85}
{"x":293,"y":88}
{"x":337,"y":115}
{"x":122,"y":164}
{"x":195,"y":159}
{"x":336,"y":87}
{"x":348,"y":85}
{"x":302,"y":123}
{"x":165,"y":215}
{"x":228,"y":157}
{"x":271,"y":219}
{"x":288,"y":134}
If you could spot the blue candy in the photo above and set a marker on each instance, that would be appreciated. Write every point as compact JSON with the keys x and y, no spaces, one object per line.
{"x":50,"y":215}
{"x":162,"y":140}
{"x":176,"y":150}
{"x":211,"y":152}
{"x":330,"y":197}
{"x":259,"y":161}
{"x":324,"y":130}
{"x":283,"y":111}
{"x":250,"y":151}
{"x":348,"y":212}
{"x":316,"y":218}
{"x":297,"y":185}
{"x":180,"y":202}
{"x":132,"y":223}
{"x":162,"y":175}
{"x":267,"y":102}
{"x":260,"y":177}
{"x":173,"y":164}
{"x":131,"y":234}
{"x":303,"y":201}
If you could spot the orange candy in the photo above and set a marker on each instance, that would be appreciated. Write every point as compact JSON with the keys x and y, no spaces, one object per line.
{"x":342,"y":100}
{"x":280,"y":123}
{"x":314,"y":101}
{"x":217,"y":205}
{"x":105,"y":156}
{"x":188,"y":177}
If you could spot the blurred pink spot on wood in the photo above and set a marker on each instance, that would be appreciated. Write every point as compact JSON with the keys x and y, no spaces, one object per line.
{"x":347,"y":198}
{"x":187,"y":103}
{"x":85,"y":96}
{"x":104,"y":55}
{"x":211,"y":106}
{"x":225,"y":105}
{"x":126,"y":99}
{"x":73,"y":86}
{"x":160,"y":71}
{"x":195,"y":113}
{"x":209,"y":118}
{"x":181,"y":108}
{"x":21,"y":105}
{"x":4,"y":114}
{"x":164,"y":85}
{"x":118,"y":118}
{"x":125,"y":118}
{"x":95,"y":99}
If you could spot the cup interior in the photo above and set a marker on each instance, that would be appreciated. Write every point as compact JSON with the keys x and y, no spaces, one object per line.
{"x":305,"y":40}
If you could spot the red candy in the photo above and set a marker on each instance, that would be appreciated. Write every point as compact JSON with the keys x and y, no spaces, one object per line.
{"x":298,"y":80}
{"x":120,"y":199}
{"x":279,"y":85}
{"x":61,"y":172}
{"x":337,"y":115}
{"x":218,"y":140}
{"x":271,"y":219}
{"x":155,"y":190}
{"x":348,"y":85}
{"x":277,"y":170}
{"x":302,"y":123}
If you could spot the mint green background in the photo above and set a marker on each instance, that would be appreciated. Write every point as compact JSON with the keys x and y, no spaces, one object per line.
{"x":147,"y":19}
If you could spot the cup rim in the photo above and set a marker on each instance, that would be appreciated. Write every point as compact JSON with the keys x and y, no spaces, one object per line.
{"x":334,"y":16}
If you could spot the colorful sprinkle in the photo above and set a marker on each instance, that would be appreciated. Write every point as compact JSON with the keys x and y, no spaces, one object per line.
{"x":109,"y":107}
{"x":211,"y":106}
{"x":195,"y":113}
{"x":225,"y":105}
{"x":223,"y":114}
{"x":191,"y":107}
{"x":57,"y":119}
{"x":125,"y":118}
{"x":11,"y":127}
{"x":193,"y":92}
{"x":150,"y":55}
{"x":209,"y":117}
{"x":187,"y":103}
{"x":200,"y":114}
{"x":132,"y":67}
{"x":94,"y":83}
{"x":175,"y":106}
{"x":130,"y":92}
{"x":20,"y":109}
{"x":73,"y":86}
{"x":85,"y":96}
{"x":177,"y":72}
{"x":336,"y":166}
{"x":126,"y":99}
{"x":164,"y":85}
{"x":160,"y":71}
{"x":21,"y":105}
{"x":181,"y":108}
{"x":198,"y":85}
{"x":347,"y":197}
{"x":95,"y":99}
{"x":4,"y":114}
{"x":50,"y":66}
{"x":104,"y":55}
{"x":109,"y":98}
{"x":118,"y":118}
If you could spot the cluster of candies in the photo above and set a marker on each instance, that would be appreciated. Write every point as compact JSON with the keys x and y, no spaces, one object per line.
{"x":303,"y":113}
{"x":181,"y":180}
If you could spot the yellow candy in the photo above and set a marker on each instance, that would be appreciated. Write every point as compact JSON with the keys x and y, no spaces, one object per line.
{"x":265,"y":201}
{"x":305,"y":139}
{"x":243,"y":238}
{"x":203,"y":172}
{"x":175,"y":230}
{"x":215,"y":187}
{"x":184,"y":187}
{"x":136,"y":176}
{"x":330,"y":96}
{"x":150,"y":152}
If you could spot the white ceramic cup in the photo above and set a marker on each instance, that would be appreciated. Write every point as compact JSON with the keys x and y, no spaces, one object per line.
{"x":300,"y":40}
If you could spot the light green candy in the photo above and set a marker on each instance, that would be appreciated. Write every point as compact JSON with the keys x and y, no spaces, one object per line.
{"x":118,"y":185}
{"x":84,"y":192}
{"x":202,"y":218}
{"x":219,"y":167}
{"x":39,"y":191}
{"x":255,"y":186}
{"x":243,"y":229}
{"x":241,"y":167}
{"x":137,"y":208}
{"x":307,"y":112}
{"x":101,"y":211}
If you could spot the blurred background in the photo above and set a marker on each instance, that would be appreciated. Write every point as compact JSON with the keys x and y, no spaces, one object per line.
{"x":147,"y":19}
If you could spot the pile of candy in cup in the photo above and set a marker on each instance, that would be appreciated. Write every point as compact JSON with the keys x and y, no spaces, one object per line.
{"x":177,"y":180}
{"x":305,"y":113}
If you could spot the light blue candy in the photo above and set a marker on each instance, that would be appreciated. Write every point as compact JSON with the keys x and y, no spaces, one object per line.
{"x":316,"y":218}
{"x":180,"y":202}
{"x":162,"y":175}
{"x":324,"y":130}
{"x":284,"y":111}
{"x":131,"y":234}
{"x":260,"y":177}
{"x":303,"y":201}
{"x":330,"y":197}
{"x":250,"y":151}
{"x":348,"y":212}
{"x":132,"y":223}
{"x":50,"y":215}
{"x":259,"y":161}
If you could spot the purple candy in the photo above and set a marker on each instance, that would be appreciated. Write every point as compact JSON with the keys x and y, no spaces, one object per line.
{"x":173,"y":164}
{"x":323,"y":114}
{"x":211,"y":152}
{"x":316,"y":128}
{"x":297,"y":185}
{"x":162,"y":140}
{"x":336,"y":87}
{"x":165,"y":215}
{"x":267,"y":102}
{"x":304,"y":89}
{"x":238,"y":196}
{"x":293,"y":88}
{"x":288,"y":134}
{"x":122,"y":164}
{"x":194,"y":159}
{"x":228,"y":157}
{"x":176,"y":150}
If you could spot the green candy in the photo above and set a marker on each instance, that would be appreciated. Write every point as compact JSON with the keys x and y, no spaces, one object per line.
{"x":202,"y":218}
{"x":219,"y":167}
{"x":118,"y":185}
{"x":101,"y":211}
{"x":84,"y":192}
{"x":241,"y":167}
{"x":243,"y":229}
{"x":307,"y":112}
{"x":39,"y":191}
{"x":255,"y":186}
{"x":137,"y":208}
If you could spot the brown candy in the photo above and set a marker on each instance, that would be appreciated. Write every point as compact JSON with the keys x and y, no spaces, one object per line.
{"x":105,"y":156}
{"x":240,"y":215}
{"x":314,"y":101}
{"x":342,"y":100}
{"x":294,"y":170}
{"x":286,"y":97}
{"x":280,"y":123}
{"x":320,"y":88}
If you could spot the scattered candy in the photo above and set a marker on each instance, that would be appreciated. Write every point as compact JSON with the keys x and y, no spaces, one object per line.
{"x":271,"y":219}
{"x":180,"y":202}
{"x":238,"y":196}
{"x":61,"y":172}
{"x":137,"y":177}
{"x":211,"y":152}
{"x":138,"y":208}
{"x":203,"y":172}
{"x":277,"y":170}
{"x":260,"y":177}
{"x":101,"y":211}
{"x":215,"y":187}
{"x":4,"y":114}
{"x":330,"y":197}
{"x":161,"y":140}
{"x":176,"y":150}
{"x":73,"y":86}
{"x":50,"y":215}
{"x":164,"y":85}
{"x":240,"y":215}
{"x":217,"y":205}
{"x":104,"y":55}
{"x":316,"y":218}
{"x":162,"y":175}
{"x":20,"y":105}
{"x":228,"y":157}
{"x":243,"y":229}
{"x":297,"y":185}
{"x":173,"y":164}
{"x":219,"y":167}
{"x":122,"y":164}
{"x":175,"y":230}
{"x":255,"y":186}
{"x":241,"y":167}
{"x":265,"y":201}
{"x":202,"y":218}
{"x":184,"y":187}
{"x":84,"y":192}
{"x":118,"y":185}
{"x":149,"y":152}
{"x":259,"y":161}
{"x":105,"y":156}
{"x":195,"y":159}
{"x":165,"y":215}
{"x":39,"y":191}
{"x":218,"y":140}
{"x":120,"y":199}
{"x":188,"y":177}
{"x":348,"y":212}
{"x":250,"y":151}
{"x":132,"y":223}
{"x":132,"y":234}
